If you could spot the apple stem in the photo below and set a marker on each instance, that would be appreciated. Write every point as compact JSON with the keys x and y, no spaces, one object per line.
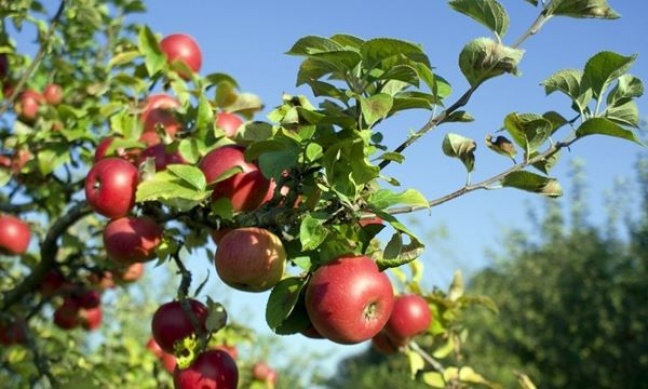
{"x":436,"y":365}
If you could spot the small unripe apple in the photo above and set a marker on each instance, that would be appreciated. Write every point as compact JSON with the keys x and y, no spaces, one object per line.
{"x":27,"y":105}
{"x":14,"y":235}
{"x":250,"y":259}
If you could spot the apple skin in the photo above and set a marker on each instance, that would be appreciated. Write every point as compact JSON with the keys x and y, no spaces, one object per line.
{"x":231,"y":350}
{"x":130,"y":273}
{"x":261,"y":371}
{"x":13,"y":332}
{"x":102,"y":281}
{"x":53,"y":94}
{"x":158,"y":110}
{"x":110,"y":187}
{"x":161,"y":157}
{"x":154,"y":347}
{"x":88,"y":299}
{"x":385,"y":345}
{"x":213,"y":369}
{"x":14,"y":235}
{"x":410,"y":316}
{"x":171,"y":323}
{"x":90,"y":319}
{"x":67,"y":316}
{"x":247,"y":190}
{"x":229,"y":123}
{"x":250,"y":259}
{"x":349,"y":300}
{"x":129,"y":155}
{"x":131,"y":239}
{"x":27,"y":105}
{"x":182,"y":47}
{"x":169,"y":362}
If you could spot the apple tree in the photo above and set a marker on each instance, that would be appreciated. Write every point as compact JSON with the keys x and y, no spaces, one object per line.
{"x":118,"y":149}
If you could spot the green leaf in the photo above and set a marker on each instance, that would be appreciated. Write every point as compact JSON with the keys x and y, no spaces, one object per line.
{"x":489,"y":13}
{"x":501,"y":145}
{"x":375,"y":51}
{"x":205,"y":117}
{"x":532,"y":182}
{"x":376,"y":107}
{"x":626,"y":114}
{"x":314,"y":152}
{"x":312,"y":231}
{"x":605,"y":126}
{"x":416,"y":362}
{"x":170,"y":189}
{"x":148,"y":45}
{"x":556,"y":119}
{"x":282,"y":300}
{"x":52,"y":157}
{"x":627,"y":87}
{"x":403,"y":73}
{"x":529,"y":131}
{"x":571,"y":83}
{"x":483,"y":58}
{"x":456,"y":288}
{"x":457,"y":146}
{"x":124,"y":58}
{"x":459,"y":117}
{"x":434,"y":379}
{"x":581,"y":9}
{"x":312,"y":45}
{"x":276,"y":160}
{"x":191,"y":175}
{"x":385,"y":198}
{"x":547,"y":163}
{"x":605,"y":67}
{"x":397,"y":253}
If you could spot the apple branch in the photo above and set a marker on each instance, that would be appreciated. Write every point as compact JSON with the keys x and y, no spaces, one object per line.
{"x":532,"y":30}
{"x":436,"y":365}
{"x":48,"y":253}
{"x":37,"y":59}
{"x":431,"y":124}
{"x":486,"y":184}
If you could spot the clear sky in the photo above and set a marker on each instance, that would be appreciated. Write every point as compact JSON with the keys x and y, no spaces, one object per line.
{"x":248,"y":40}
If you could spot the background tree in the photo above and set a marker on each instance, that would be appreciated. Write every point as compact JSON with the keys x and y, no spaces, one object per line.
{"x":571,"y":299}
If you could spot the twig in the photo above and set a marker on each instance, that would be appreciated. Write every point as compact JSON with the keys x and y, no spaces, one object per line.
{"x":436,"y":365}
{"x":532,"y":30}
{"x":483,"y":184}
{"x":431,"y":124}
{"x":37,"y":59}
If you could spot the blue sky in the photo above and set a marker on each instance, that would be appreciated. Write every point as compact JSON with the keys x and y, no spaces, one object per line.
{"x":248,"y":41}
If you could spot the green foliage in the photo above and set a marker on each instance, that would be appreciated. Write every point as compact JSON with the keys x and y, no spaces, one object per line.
{"x":572,"y":307}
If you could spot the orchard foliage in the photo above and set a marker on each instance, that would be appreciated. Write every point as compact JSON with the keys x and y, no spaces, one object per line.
{"x":312,"y":174}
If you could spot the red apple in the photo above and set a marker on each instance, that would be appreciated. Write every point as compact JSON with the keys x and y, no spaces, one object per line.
{"x":168,"y":362}
{"x":154,"y":347}
{"x":13,"y":332}
{"x":250,"y":259}
{"x":229,"y":123}
{"x":231,"y":350}
{"x":349,"y":300}
{"x":27,"y":105}
{"x":66,"y":316}
{"x":53,"y":283}
{"x":110,"y":187}
{"x":88,"y":298}
{"x":371,"y":220}
{"x":161,"y":156}
{"x":91,"y":318}
{"x":247,"y":189}
{"x":19,"y":160}
{"x":101,"y":152}
{"x":131,"y":239}
{"x":171,"y":323}
{"x":130,"y":273}
{"x":263,"y":372}
{"x":14,"y":235}
{"x":217,"y":235}
{"x":311,"y":332}
{"x":53,"y":94}
{"x":384,"y":344}
{"x":182,"y":47}
{"x":213,"y":369}
{"x":158,"y":111}
{"x":410,"y":316}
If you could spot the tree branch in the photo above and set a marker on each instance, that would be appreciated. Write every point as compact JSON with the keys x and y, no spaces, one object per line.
{"x":431,"y":124}
{"x":436,"y":365}
{"x":48,"y":252}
